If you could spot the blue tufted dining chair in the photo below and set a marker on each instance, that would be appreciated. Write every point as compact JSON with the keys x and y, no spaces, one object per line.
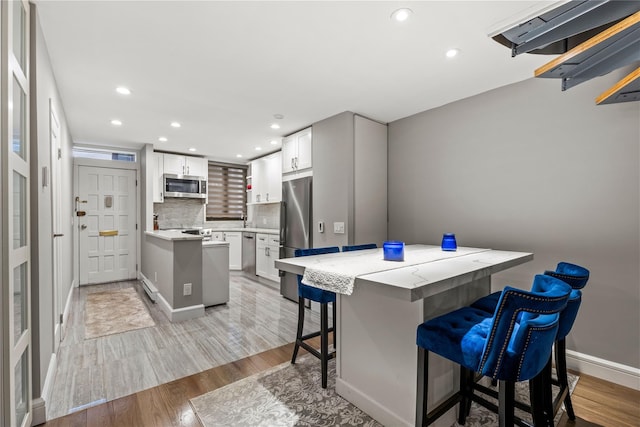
{"x":577,"y":277}
{"x":350,"y":248}
{"x":324,"y":298}
{"x":513,"y":344}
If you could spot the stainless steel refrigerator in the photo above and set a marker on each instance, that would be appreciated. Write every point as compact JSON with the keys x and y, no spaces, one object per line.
{"x":295,"y":228}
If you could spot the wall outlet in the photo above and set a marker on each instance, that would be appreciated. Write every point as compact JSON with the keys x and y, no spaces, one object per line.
{"x":338,"y":227}
{"x":186,"y":289}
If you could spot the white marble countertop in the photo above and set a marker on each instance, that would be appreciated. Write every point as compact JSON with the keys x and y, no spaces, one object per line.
{"x":172,"y":235}
{"x":412,"y":280}
{"x":249,"y":229}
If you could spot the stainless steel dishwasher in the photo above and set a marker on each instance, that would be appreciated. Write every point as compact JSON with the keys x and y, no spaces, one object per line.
{"x":249,"y":254}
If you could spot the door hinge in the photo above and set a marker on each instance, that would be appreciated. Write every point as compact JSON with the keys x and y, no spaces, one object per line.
{"x":136,"y":226}
{"x":136,"y":267}
{"x":61,"y":317}
{"x":59,"y":153}
{"x":136,"y":182}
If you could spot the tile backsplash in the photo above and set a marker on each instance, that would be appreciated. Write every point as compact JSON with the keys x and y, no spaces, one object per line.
{"x":186,"y":213}
{"x":179,"y":213}
{"x":264,"y":216}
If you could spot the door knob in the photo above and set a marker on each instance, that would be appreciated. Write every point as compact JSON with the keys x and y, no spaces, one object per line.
{"x":83,"y":226}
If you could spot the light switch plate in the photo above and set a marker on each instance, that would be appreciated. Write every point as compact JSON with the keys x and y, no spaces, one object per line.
{"x":320,"y":226}
{"x":338,"y":227}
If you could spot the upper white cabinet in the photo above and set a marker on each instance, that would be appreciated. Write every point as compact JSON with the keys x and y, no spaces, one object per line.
{"x":296,"y":151}
{"x":185,"y":165}
{"x":158,"y":171}
{"x":266,"y":179}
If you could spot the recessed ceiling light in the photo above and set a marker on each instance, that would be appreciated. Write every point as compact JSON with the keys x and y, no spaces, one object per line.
{"x":274,"y":142}
{"x":278,"y":116}
{"x":175,"y":125}
{"x":162,"y":139}
{"x":123,"y":90}
{"x":452,"y":52}
{"x":192,"y":149}
{"x":401,"y":15}
{"x":116,"y":122}
{"x":275,"y":126}
{"x":239,"y":156}
{"x":258,"y":148}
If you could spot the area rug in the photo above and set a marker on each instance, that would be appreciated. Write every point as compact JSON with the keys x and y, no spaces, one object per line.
{"x":290,"y":395}
{"x":114,"y":312}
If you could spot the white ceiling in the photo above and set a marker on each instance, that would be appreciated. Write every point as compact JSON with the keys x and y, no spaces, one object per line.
{"x":224,"y":69}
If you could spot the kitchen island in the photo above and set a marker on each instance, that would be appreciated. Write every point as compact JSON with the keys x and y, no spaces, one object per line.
{"x":376,"y":366}
{"x":172,"y":272}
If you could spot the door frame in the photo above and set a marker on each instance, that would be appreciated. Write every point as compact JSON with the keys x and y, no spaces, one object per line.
{"x":109,"y":164}
{"x":56,"y":224}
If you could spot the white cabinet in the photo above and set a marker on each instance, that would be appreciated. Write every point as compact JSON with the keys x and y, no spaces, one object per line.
{"x":296,"y":151}
{"x":157,"y":164}
{"x":266,"y":179}
{"x":235,"y":249}
{"x":185,"y":165}
{"x":267,"y":252}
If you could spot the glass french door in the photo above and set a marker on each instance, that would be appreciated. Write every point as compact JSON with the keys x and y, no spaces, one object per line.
{"x":14,"y":200}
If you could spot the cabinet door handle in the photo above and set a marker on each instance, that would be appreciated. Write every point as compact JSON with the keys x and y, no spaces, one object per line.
{"x":267,"y":197}
{"x":292,"y":163}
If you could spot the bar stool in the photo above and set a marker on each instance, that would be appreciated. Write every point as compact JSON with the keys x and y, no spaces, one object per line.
{"x":359,"y":247}
{"x":576,"y":277}
{"x":324,"y":298}
{"x":513,"y":344}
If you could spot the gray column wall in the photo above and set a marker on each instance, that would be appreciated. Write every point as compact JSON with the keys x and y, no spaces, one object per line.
{"x":527,"y":167}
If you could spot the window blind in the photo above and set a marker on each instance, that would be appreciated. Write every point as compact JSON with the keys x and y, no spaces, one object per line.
{"x":227,"y":197}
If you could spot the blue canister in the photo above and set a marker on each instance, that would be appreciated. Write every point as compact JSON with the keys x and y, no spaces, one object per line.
{"x":393,"y":250}
{"x":449,"y":242}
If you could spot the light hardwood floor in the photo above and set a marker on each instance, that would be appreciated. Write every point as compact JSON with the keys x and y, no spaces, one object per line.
{"x":93,"y":371}
{"x":596,"y":402}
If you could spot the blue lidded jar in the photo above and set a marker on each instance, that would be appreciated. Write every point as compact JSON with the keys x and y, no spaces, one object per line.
{"x":449,"y":242}
{"x":393,"y":250}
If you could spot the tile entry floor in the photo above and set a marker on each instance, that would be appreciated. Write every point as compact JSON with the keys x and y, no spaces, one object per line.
{"x":93,"y":371}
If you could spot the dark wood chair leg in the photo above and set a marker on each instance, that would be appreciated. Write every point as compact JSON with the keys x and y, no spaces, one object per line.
{"x":335,"y":329}
{"x":422,"y":387}
{"x":538,"y":398}
{"x":506,"y":398}
{"x":300,"y":328}
{"x":324,"y":341}
{"x":466,"y":390}
{"x":561,"y":371}
{"x":547,"y":393}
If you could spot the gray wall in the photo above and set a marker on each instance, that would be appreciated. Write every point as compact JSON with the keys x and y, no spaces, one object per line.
{"x":527,"y":167}
{"x":45,"y":90}
{"x":332,"y":177}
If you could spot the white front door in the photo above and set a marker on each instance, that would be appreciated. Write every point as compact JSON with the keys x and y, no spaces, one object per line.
{"x":108,"y":228}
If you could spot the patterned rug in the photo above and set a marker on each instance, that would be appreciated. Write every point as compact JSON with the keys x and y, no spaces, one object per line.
{"x":114,"y":312}
{"x":290,"y":395}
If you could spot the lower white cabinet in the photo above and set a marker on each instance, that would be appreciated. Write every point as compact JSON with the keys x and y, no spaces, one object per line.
{"x":235,"y":249}
{"x":267,"y":252}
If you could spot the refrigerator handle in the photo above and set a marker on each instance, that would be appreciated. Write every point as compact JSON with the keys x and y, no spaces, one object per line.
{"x":283,"y":222}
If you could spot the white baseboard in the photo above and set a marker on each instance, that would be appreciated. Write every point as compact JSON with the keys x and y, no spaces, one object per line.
{"x":180,"y":314}
{"x":38,"y":411}
{"x":47,"y":388}
{"x":604,"y":369}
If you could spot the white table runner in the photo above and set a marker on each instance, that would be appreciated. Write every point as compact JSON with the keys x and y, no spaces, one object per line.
{"x":338,"y":272}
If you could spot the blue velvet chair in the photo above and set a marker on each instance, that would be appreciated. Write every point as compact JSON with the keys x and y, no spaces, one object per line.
{"x":512,"y":344}
{"x":324,"y":298}
{"x":576,"y":277}
{"x":359,"y":247}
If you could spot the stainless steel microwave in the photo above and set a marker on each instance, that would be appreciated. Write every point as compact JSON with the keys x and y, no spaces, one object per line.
{"x":194,"y":187}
